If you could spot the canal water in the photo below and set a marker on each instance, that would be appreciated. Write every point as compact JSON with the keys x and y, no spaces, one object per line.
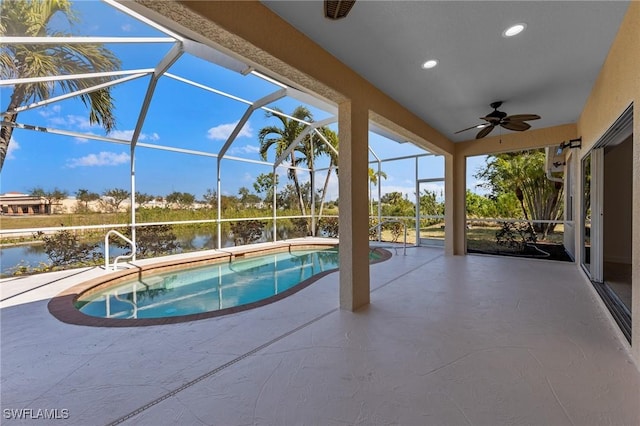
{"x":34,"y":255}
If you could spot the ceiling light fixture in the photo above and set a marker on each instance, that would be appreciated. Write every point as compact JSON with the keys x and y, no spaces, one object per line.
{"x":429,"y":64}
{"x":514,"y":30}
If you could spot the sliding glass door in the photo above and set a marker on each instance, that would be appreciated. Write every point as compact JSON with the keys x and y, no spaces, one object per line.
{"x":592,"y":197}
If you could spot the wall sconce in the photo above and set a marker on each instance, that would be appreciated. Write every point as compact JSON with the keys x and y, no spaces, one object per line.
{"x":573,"y":143}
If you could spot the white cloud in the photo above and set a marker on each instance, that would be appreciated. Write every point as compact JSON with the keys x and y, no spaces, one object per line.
{"x":47,"y":111}
{"x":222,"y":132}
{"x":126,"y":28}
{"x":80,"y":122}
{"x":121,"y":134}
{"x":102,"y":159}
{"x":247,"y":149}
{"x":128,"y":134}
{"x":152,"y":137}
{"x":75,"y":122}
{"x":13,"y":146}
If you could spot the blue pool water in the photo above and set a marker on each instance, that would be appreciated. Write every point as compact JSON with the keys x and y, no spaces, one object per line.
{"x":208,"y":288}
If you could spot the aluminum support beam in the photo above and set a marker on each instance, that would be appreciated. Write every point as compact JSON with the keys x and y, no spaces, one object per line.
{"x":210,"y":54}
{"x":73,"y":94}
{"x":305,"y":132}
{"x":272,"y":97}
{"x":14,"y":81}
{"x":84,"y":40}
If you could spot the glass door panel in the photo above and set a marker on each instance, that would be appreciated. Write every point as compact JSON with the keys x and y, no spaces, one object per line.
{"x":430,"y":212}
{"x":586,"y":212}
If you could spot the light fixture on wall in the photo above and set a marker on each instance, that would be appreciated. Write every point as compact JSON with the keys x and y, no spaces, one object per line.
{"x":573,"y":143}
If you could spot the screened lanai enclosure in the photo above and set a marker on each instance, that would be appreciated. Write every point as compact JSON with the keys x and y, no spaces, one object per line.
{"x":193,"y":126}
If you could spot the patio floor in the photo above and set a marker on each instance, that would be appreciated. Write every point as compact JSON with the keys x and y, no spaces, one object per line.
{"x":447,"y":340}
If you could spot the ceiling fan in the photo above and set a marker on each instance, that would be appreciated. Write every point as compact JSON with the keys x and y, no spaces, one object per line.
{"x":337,"y":9}
{"x":499,"y":118}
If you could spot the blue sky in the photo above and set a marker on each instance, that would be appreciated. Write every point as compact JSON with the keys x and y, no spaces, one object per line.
{"x":180,"y":116}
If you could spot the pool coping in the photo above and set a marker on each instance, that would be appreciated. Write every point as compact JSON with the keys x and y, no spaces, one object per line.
{"x":62,"y":306}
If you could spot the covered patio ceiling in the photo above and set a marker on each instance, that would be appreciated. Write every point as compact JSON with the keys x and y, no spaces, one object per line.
{"x":549,"y":69}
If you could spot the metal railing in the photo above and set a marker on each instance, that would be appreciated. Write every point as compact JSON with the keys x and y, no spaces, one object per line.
{"x":131,"y":255}
{"x":404,"y":227}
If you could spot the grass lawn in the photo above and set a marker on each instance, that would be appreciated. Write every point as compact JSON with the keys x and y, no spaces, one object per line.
{"x":479,"y":238}
{"x":53,"y":220}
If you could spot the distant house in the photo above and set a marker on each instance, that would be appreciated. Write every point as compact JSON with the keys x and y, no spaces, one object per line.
{"x":16,"y":203}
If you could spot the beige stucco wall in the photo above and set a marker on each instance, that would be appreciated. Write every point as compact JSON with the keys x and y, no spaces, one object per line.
{"x":618,"y":86}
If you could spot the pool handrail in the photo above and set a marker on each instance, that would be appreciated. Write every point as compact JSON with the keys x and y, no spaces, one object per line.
{"x":404,"y":227}
{"x":131,"y":255}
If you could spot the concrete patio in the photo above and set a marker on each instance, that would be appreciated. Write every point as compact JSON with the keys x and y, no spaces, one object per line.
{"x":447,"y":340}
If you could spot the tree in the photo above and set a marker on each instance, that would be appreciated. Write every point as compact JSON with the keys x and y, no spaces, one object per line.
{"x":523,"y":175}
{"x":282,"y":137}
{"x":184,"y":200}
{"x":429,"y":204}
{"x":482,"y":206}
{"x":85,"y":196}
{"x":226,"y":202}
{"x":211,"y":198}
{"x":142,"y":198}
{"x":114,"y":197}
{"x":247,"y":198}
{"x":32,"y":18}
{"x":265,"y":184}
{"x":288,"y":197}
{"x":394,"y":204}
{"x":373,"y":180}
{"x":153,"y":240}
{"x":53,"y":197}
{"x":64,"y":249}
{"x":247,"y":231}
{"x":331,"y":138}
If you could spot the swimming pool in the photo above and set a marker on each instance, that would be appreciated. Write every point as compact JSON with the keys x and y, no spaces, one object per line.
{"x":176,"y":293}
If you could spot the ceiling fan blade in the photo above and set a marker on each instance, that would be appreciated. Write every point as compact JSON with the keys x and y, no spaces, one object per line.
{"x":484,"y":132}
{"x":477,"y":126}
{"x":517,"y":126}
{"x":522,"y":117}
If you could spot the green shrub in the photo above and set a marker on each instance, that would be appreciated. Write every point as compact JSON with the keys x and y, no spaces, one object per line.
{"x":516,"y":235}
{"x":64,"y":249}
{"x":247,"y":231}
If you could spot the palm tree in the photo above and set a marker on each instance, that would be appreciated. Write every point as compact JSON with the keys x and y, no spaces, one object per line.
{"x":332,"y":138}
{"x":281,"y":138}
{"x":523,"y":174}
{"x":31,"y":18}
{"x":373,"y":180}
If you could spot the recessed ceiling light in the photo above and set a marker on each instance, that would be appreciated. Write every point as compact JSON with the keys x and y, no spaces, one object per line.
{"x":429,"y":64}
{"x":514,"y":30}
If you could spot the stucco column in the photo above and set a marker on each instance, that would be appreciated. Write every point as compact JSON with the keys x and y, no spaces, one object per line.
{"x":455,"y":183}
{"x":353,"y":122}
